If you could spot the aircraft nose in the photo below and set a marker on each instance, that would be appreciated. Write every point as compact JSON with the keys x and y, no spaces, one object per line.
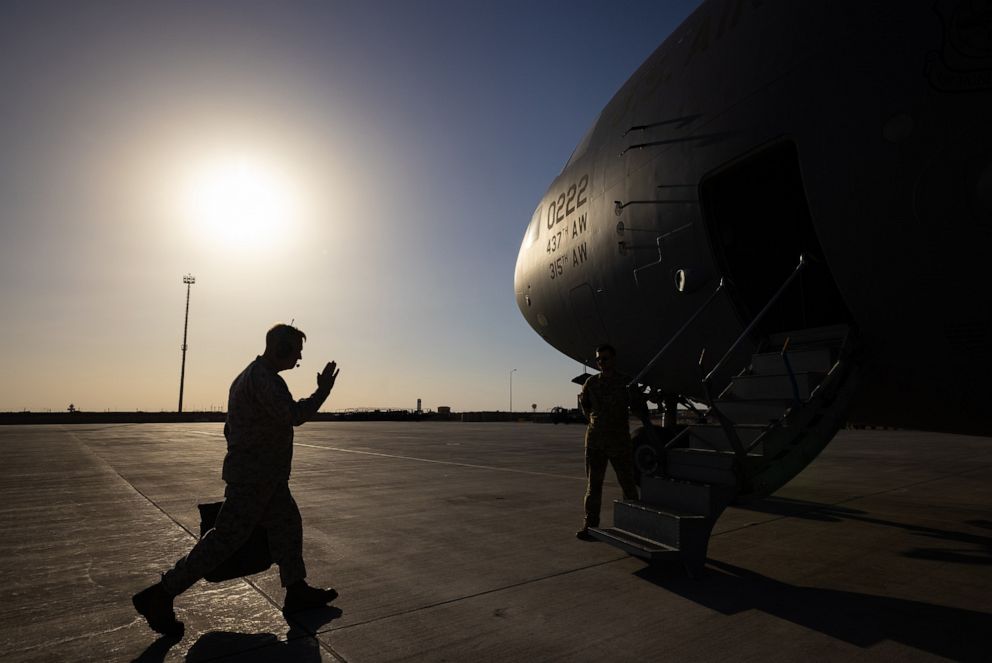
{"x":524,"y":269}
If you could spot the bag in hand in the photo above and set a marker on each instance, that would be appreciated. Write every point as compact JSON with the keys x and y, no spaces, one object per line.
{"x":252,"y":557}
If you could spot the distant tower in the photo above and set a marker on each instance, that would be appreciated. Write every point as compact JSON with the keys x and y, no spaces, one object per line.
{"x":189,"y":280}
{"x":418,"y":405}
{"x":511,"y":389}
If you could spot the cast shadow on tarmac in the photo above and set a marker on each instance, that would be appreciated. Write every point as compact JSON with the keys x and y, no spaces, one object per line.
{"x":979,"y":550}
{"x":859,"y":619}
{"x":300,"y":644}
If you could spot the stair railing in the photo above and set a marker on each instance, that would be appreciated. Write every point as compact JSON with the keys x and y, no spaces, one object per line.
{"x":728,"y":427}
{"x":642,"y":413}
{"x":672,"y":340}
{"x":726,"y":424}
{"x":757,"y":319}
{"x":792,"y":373}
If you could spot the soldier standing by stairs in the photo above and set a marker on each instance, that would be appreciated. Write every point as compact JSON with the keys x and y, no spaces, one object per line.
{"x":606,"y":402}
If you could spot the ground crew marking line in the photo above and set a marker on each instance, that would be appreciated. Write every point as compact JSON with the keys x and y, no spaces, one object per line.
{"x":422,"y":460}
{"x":440,"y":462}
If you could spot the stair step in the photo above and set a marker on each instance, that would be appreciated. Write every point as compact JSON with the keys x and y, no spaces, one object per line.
{"x":718,"y":460}
{"x":684,"y":496}
{"x":832,"y":335}
{"x":714,"y":437}
{"x":751,"y":387}
{"x":702,"y":466}
{"x":812,"y":360}
{"x":677,"y":511}
{"x":650,"y":522}
{"x":634,"y":545}
{"x":755,"y":411}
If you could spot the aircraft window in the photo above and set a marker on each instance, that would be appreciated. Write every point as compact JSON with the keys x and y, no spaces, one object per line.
{"x":583,"y":145}
{"x":534,"y":229}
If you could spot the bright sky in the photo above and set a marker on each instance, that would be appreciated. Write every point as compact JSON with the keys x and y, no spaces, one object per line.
{"x":364,"y":168}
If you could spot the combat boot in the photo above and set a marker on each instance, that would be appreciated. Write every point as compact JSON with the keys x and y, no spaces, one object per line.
{"x":301,"y":596}
{"x":155,"y":605}
{"x":583,"y":534}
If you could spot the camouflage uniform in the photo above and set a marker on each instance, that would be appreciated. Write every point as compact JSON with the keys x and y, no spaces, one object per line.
{"x":606,"y":402}
{"x":261,"y":414}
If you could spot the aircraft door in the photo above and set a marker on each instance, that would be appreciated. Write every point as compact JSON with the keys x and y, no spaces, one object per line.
{"x":758,"y":222}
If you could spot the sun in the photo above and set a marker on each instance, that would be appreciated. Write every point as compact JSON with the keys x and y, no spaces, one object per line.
{"x":240,"y":202}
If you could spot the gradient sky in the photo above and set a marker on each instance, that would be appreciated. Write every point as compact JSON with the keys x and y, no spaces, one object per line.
{"x":387,"y":157}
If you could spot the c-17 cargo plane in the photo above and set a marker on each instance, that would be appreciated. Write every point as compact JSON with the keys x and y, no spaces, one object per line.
{"x":784,"y":213}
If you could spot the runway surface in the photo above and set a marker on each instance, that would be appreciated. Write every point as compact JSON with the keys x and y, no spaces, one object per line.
{"x":455,"y":542}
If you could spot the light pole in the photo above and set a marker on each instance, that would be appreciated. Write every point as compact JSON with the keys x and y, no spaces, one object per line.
{"x":189,"y":280}
{"x":511,"y":389}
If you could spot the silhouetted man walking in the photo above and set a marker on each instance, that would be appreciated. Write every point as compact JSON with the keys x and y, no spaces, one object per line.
{"x":606,"y":402}
{"x":261,"y":414}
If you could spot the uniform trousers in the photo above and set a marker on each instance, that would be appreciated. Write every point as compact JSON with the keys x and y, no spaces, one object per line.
{"x":618,"y":453}
{"x":246,"y":505}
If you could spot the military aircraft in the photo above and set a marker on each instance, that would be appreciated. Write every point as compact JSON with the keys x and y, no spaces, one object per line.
{"x":784,"y":213}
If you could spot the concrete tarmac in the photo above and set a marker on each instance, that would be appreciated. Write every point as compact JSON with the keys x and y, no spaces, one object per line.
{"x":455,"y":542}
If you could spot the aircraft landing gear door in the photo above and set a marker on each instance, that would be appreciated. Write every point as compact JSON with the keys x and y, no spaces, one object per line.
{"x":758,"y":222}
{"x":589,"y":327}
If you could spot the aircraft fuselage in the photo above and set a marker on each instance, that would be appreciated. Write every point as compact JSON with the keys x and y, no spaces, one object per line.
{"x":855,"y":134}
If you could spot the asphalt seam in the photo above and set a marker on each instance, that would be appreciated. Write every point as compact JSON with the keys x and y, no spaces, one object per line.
{"x":819,"y":508}
{"x":402,"y":612}
{"x":522,"y":583}
{"x":625,"y":557}
{"x":248,"y":582}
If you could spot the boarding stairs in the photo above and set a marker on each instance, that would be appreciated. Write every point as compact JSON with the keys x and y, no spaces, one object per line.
{"x":772,"y":420}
